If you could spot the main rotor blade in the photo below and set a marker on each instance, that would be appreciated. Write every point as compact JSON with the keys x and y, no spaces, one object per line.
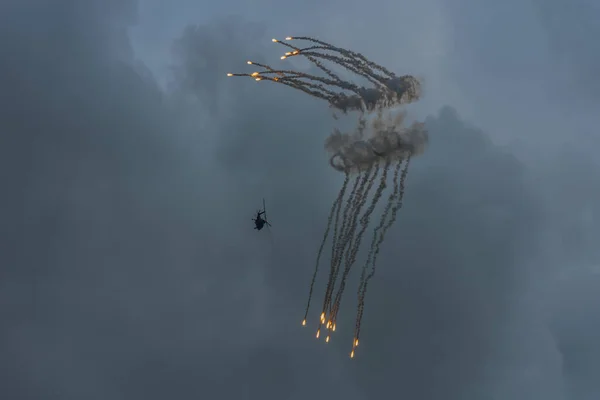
{"x":264,"y":208}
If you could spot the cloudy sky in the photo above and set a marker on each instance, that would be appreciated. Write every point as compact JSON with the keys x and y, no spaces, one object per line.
{"x":130,"y":168}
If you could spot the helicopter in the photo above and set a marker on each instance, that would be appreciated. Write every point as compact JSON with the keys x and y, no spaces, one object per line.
{"x":260,"y":221}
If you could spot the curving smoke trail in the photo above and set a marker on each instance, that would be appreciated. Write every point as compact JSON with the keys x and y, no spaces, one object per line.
{"x":335,"y":206}
{"x":350,"y":53}
{"x":361,"y":201}
{"x":349,"y":220}
{"x":388,"y":90}
{"x":353,"y":250}
{"x":399,"y":201}
{"x":382,"y":221}
{"x":336,"y":238}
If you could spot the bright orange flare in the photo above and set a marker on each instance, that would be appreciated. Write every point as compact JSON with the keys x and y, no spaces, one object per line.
{"x":275,"y":40}
{"x":355,"y":342}
{"x":318,"y":333}
{"x":303,"y":322}
{"x":283,"y":57}
{"x":254,"y":74}
{"x":229,"y":74}
{"x":327,"y":339}
{"x":249,"y":62}
{"x":352,"y":354}
{"x":333,"y":329}
{"x":289,"y":38}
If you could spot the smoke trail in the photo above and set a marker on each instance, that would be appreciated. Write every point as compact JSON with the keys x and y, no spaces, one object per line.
{"x":388,"y":91}
{"x":349,"y":53}
{"x":341,"y":242}
{"x":299,"y":85}
{"x":353,"y":250}
{"x":261,"y":75}
{"x":345,"y":233}
{"x":349,"y":64}
{"x":390,"y":202}
{"x":358,"y":204}
{"x":336,"y":238}
{"x":391,"y":221}
{"x":336,"y":205}
{"x":346,"y":60}
{"x":382,"y":220}
{"x":353,"y":65}
{"x":357,"y":69}
{"x":311,"y":59}
{"x":324,"y":93}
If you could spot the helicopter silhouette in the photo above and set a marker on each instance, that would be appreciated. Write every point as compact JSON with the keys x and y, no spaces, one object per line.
{"x":259,"y":221}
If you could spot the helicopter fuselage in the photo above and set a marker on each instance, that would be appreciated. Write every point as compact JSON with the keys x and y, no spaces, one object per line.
{"x":258,"y":221}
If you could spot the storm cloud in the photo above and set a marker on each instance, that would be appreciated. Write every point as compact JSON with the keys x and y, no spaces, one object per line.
{"x":129,"y":268}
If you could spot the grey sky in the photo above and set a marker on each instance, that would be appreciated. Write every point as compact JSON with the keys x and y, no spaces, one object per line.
{"x":131,"y":167}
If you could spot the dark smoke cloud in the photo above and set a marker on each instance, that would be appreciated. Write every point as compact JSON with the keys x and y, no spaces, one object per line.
{"x":386,"y":136}
{"x":129,"y":268}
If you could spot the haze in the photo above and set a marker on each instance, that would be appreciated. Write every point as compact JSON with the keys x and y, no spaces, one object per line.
{"x":130,"y":168}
